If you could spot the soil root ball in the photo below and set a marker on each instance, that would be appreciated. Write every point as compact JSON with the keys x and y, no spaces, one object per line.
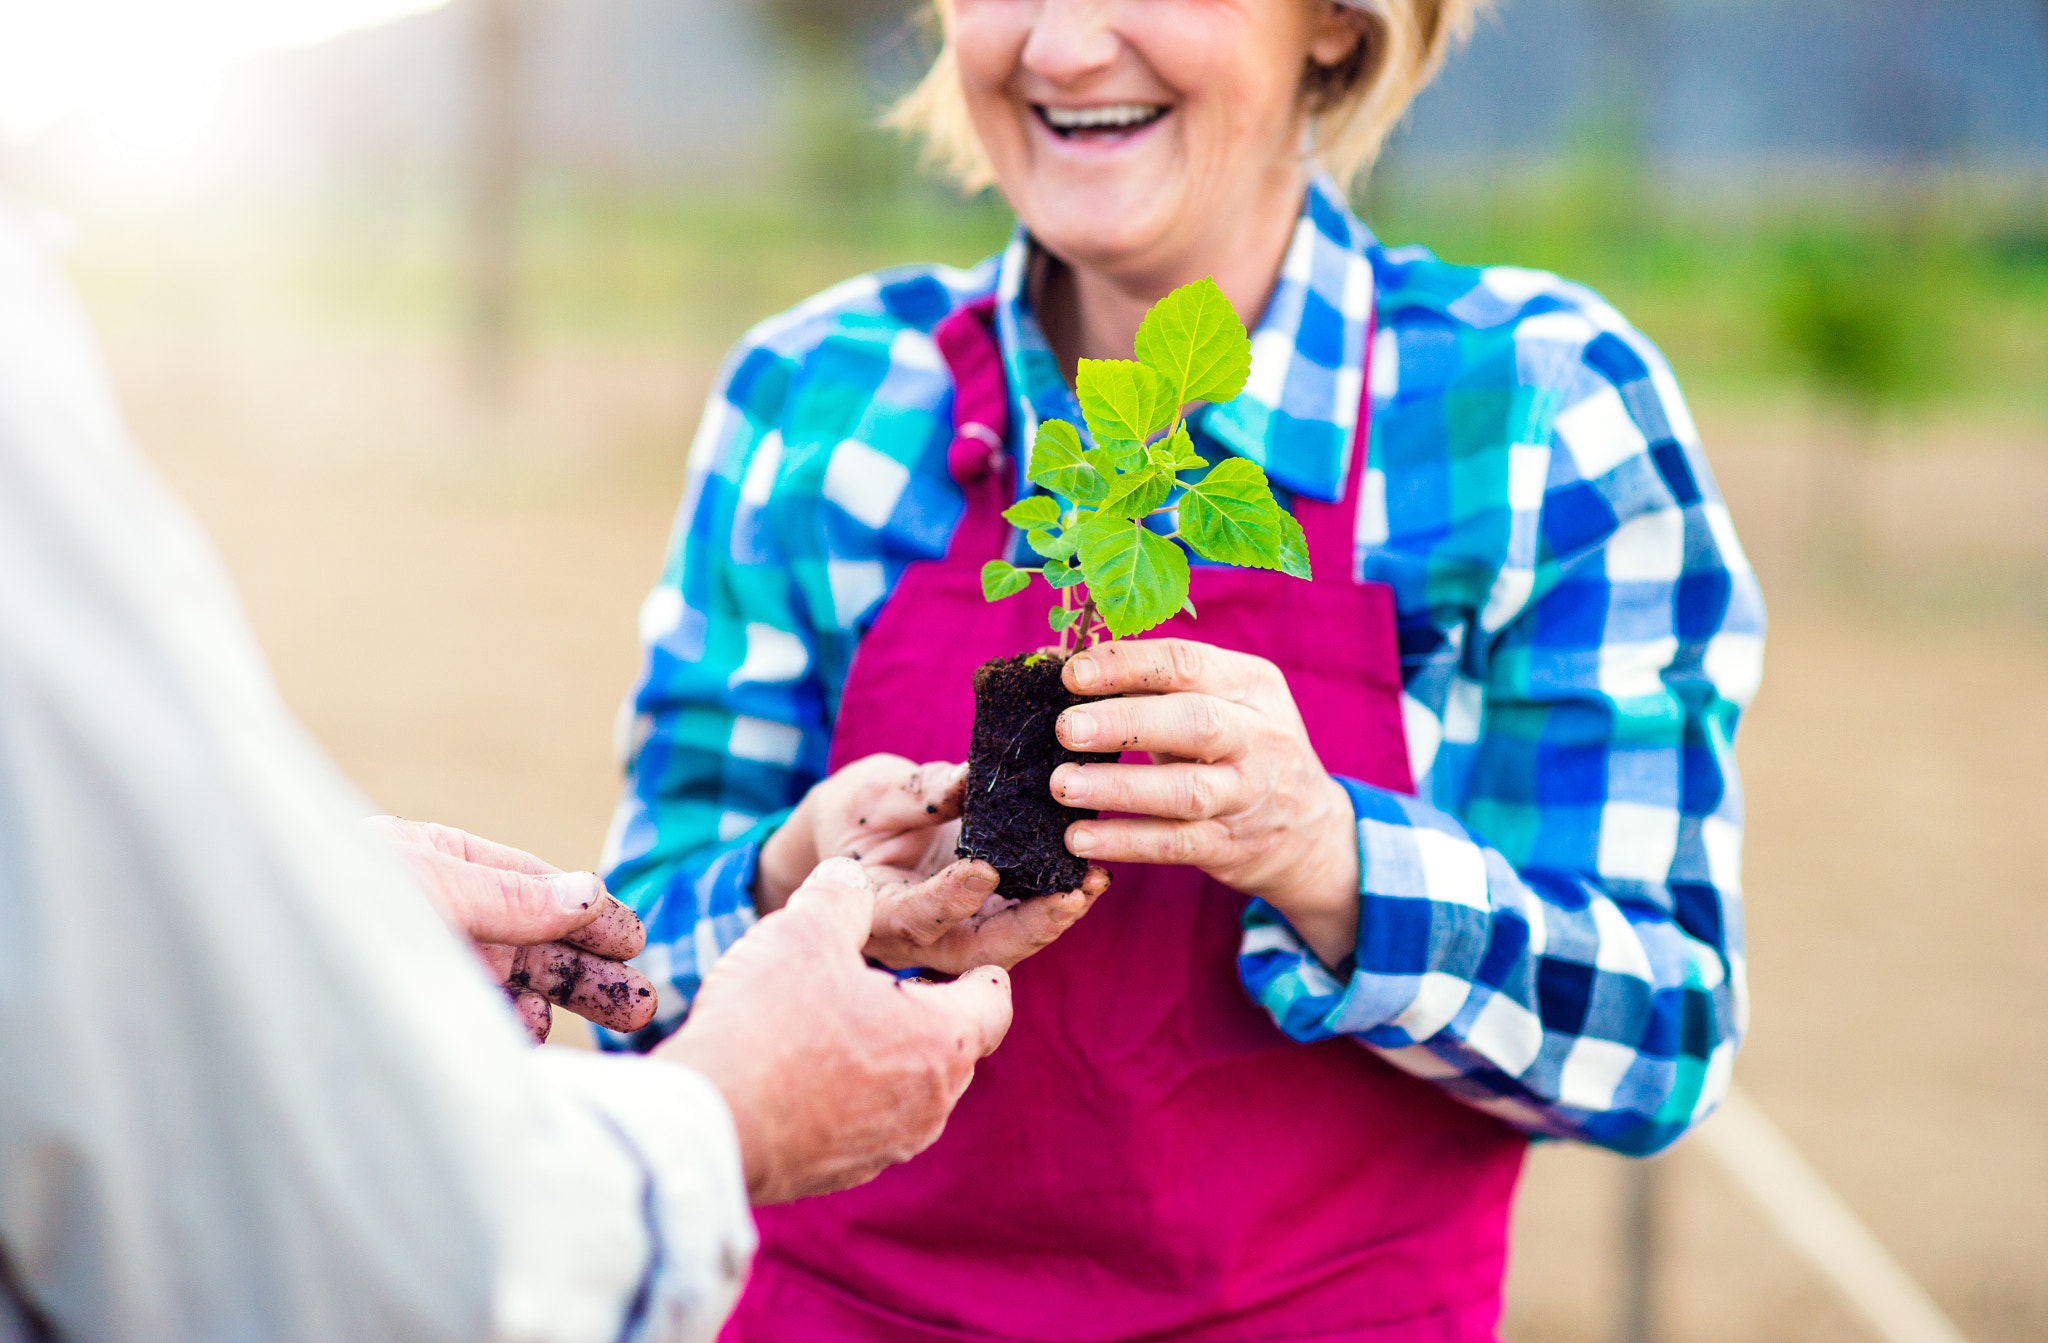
{"x":1009,"y":818}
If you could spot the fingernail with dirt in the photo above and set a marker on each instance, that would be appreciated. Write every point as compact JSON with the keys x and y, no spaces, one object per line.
{"x":1070,"y":786}
{"x":1084,"y":671}
{"x":980,"y":881}
{"x":1077,"y":726}
{"x":576,"y":891}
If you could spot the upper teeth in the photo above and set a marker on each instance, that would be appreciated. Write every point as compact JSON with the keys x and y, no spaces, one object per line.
{"x":1116,"y":114}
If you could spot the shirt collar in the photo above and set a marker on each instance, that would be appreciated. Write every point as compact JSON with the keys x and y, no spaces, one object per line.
{"x":1299,"y":408}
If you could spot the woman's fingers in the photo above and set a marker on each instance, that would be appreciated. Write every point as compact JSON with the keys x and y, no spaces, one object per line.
{"x":1149,"y":840}
{"x":1010,"y":935}
{"x":917,"y":798}
{"x":1179,"y":792}
{"x":1193,"y":726}
{"x":604,"y":991}
{"x":1165,"y":666}
{"x":916,"y":915}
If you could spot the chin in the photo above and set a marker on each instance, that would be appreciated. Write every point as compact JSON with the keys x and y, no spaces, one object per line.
{"x":1092,"y":226}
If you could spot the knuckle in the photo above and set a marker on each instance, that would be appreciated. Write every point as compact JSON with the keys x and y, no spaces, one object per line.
{"x":1204,"y":719}
{"x":1185,"y":660}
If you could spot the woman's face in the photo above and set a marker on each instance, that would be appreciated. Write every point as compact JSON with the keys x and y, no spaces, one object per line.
{"x":1128,"y":133}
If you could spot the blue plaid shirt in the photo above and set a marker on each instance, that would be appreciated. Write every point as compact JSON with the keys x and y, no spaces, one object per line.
{"x":1551,"y":928}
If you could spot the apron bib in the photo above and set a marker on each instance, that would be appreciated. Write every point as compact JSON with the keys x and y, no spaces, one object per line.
{"x":1147,"y":1156}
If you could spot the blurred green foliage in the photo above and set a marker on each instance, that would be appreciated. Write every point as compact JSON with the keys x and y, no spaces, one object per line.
{"x":1765,"y":296}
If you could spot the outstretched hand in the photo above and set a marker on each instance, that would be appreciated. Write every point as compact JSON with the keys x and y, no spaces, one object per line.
{"x":833,"y":1071}
{"x":901,"y":821}
{"x":546,"y":935}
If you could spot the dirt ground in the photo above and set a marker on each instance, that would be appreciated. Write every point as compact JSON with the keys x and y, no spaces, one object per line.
{"x":449,"y":601}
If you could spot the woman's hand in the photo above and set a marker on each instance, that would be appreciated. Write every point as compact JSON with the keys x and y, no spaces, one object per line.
{"x":545,"y":935}
{"x":1234,"y":788}
{"x":901,"y":821}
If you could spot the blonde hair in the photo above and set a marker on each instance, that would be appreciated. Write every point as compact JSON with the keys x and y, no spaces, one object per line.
{"x":1351,"y":105}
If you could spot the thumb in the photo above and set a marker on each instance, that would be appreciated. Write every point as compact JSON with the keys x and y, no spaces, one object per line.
{"x":978,"y":1002}
{"x":839,"y":897}
{"x":493,"y":904}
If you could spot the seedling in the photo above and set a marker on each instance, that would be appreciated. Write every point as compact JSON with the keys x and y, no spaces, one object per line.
{"x":1094,"y":536}
{"x":1114,"y":572}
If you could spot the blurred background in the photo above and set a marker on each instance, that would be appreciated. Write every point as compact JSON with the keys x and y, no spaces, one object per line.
{"x":415,"y":303}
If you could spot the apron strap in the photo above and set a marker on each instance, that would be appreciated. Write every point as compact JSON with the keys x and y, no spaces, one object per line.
{"x":981,"y":426}
{"x":1331,"y":530}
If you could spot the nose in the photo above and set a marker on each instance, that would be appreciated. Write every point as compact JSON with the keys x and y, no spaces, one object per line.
{"x":1071,"y":40}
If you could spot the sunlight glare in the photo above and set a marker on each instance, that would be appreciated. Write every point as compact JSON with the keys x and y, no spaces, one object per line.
{"x":140,"y":88}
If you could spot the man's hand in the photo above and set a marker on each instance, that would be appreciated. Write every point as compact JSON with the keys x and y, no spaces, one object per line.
{"x":546,"y":935}
{"x":901,"y":821}
{"x":834,"y":1071}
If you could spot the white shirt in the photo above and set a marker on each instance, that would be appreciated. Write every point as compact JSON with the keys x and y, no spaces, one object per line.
{"x":251,"y":1087}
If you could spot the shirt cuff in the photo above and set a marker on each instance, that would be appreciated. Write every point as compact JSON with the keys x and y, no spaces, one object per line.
{"x":630,"y":1218}
{"x":1310,"y":1001}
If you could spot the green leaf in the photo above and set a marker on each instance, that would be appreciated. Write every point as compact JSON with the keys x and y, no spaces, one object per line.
{"x":1051,"y":547}
{"x":1060,"y":617}
{"x":1037,"y":511}
{"x":1061,"y":575}
{"x":1137,"y":577}
{"x":1123,"y":399}
{"x":1187,"y":604}
{"x":1293,"y":548}
{"x":1135,"y":495}
{"x":1230,"y":515}
{"x":1000,"y":579}
{"x":1057,"y":464}
{"x":1185,"y":458}
{"x":1196,"y":343}
{"x":1123,"y":454}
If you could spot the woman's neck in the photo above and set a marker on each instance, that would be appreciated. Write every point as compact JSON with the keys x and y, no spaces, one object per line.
{"x":1093,"y":313}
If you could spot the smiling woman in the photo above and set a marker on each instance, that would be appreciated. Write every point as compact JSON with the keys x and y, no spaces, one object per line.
{"x":1434,"y":851}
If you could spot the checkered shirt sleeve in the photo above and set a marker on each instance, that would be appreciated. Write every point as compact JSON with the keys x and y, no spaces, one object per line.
{"x":1551,"y":929}
{"x":817,"y":474}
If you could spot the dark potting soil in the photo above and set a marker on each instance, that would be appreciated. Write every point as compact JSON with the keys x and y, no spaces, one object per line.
{"x":1009,"y":817}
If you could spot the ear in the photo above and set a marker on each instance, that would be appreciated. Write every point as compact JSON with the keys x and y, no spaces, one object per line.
{"x":1334,"y":31}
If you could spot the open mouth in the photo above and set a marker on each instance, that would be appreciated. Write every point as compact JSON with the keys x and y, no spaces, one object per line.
{"x":1112,"y":121}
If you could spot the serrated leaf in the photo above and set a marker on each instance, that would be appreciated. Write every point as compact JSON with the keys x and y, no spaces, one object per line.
{"x":1052,"y":547}
{"x":1061,"y":575}
{"x":1037,"y":511}
{"x":1057,"y":464}
{"x":1000,"y":579}
{"x":1137,"y":577}
{"x":1060,"y":617}
{"x":1176,"y":453}
{"x":1135,"y":495}
{"x":1123,"y":399}
{"x":1196,"y":343}
{"x":1230,"y":516}
{"x":1293,"y":548}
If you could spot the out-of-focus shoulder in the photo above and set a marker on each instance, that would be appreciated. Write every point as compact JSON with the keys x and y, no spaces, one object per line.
{"x":1555,"y":335}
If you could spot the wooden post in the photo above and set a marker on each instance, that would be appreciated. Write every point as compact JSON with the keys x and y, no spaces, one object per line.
{"x":495,"y":152}
{"x":1641,"y":1216}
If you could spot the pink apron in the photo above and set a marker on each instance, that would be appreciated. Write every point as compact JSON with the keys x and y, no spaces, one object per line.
{"x":1147,"y":1156}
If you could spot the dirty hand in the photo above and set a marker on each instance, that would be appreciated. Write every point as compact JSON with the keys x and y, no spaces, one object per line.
{"x":1234,"y":786}
{"x":546,"y":935}
{"x":833,"y":1071}
{"x":901,"y":821}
